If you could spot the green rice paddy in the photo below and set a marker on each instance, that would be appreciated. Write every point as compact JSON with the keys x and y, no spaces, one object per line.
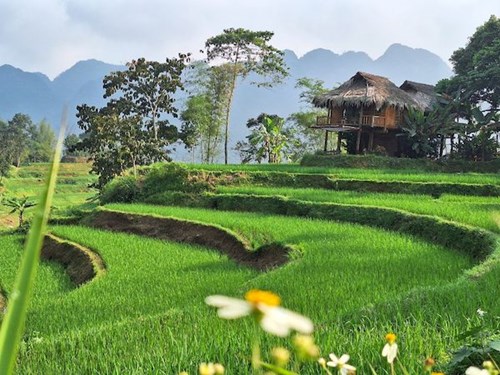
{"x":481,"y":212}
{"x":147,"y":314}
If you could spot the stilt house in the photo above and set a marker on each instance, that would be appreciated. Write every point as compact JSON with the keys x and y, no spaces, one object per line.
{"x":373,"y":108}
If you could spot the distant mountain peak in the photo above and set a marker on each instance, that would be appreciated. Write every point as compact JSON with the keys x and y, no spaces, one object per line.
{"x":39,"y":97}
{"x":319,"y":53}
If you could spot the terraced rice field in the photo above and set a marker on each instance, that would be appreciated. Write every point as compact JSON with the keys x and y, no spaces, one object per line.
{"x":483,"y":212}
{"x":72,"y":190}
{"x":146,"y":314}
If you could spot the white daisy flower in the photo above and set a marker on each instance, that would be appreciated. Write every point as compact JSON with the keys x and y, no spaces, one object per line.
{"x":390,"y":349}
{"x":341,"y":363}
{"x":265,"y":306}
{"x":480,"y":312}
{"x":476,"y":371}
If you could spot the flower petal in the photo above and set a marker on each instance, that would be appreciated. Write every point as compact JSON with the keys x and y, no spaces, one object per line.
{"x":349,"y":367}
{"x":270,"y":323}
{"x":229,"y":308}
{"x":385,"y":350}
{"x":221,"y":301}
{"x":344,"y":358}
{"x":289,"y":318}
{"x":334,"y":358}
{"x":393,"y":352}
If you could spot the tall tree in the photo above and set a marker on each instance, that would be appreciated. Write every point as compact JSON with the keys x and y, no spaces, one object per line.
{"x":72,"y":145}
{"x":205,"y":109}
{"x":132,"y":130}
{"x":43,"y":142}
{"x":5,"y":155}
{"x":20,"y":130}
{"x":477,"y":65}
{"x":145,"y":89}
{"x":302,"y":121}
{"x":476,"y":84}
{"x":247,"y":52}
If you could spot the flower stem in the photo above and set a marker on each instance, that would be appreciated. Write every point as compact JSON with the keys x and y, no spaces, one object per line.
{"x":256,"y":362}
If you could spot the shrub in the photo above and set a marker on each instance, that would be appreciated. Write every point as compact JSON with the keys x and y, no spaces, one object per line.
{"x":163,"y":177}
{"x":121,"y":189}
{"x":320,"y":181}
{"x":380,"y":162}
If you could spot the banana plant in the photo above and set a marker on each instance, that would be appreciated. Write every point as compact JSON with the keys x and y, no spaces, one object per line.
{"x":19,"y":205}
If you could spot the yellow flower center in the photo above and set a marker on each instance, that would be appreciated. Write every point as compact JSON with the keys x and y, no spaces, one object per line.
{"x":391,"y":338}
{"x":256,"y":296}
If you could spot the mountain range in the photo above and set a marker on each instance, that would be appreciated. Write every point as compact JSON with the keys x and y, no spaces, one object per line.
{"x":41,"y":98}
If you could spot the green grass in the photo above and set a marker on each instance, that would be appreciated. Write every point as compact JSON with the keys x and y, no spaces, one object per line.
{"x":147,"y":314}
{"x":151,"y":299}
{"x":482,"y":212}
{"x":360,"y":174}
{"x":52,"y":282}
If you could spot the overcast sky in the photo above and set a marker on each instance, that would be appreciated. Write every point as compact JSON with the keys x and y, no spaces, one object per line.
{"x":49,"y":36}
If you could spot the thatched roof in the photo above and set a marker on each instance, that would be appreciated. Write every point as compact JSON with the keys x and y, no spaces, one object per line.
{"x":425,"y":95}
{"x":366,"y":89}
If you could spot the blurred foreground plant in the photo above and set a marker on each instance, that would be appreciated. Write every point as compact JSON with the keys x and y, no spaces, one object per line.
{"x":13,"y":322}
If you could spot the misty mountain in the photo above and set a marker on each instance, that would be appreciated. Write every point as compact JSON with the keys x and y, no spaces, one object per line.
{"x":36,"y":95}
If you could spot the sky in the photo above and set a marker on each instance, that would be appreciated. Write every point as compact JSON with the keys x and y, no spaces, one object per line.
{"x":50,"y":36}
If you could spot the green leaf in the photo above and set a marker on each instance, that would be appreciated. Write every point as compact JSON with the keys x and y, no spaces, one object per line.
{"x":495,"y":345}
{"x":471,"y":332}
{"x":13,"y":323}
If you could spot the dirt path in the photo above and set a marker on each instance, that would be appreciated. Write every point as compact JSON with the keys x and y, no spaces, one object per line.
{"x":263,"y":258}
{"x":81,"y":264}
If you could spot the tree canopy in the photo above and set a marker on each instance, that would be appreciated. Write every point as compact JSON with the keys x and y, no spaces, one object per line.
{"x":475,"y":90}
{"x":477,"y":67}
{"x":132,"y":129}
{"x":247,"y":52}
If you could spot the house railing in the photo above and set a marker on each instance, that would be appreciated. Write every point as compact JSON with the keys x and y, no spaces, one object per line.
{"x":367,"y":120}
{"x":373,"y":120}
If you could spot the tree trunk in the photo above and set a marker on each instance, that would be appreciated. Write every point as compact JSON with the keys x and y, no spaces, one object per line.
{"x":228,"y":111}
{"x":441,"y":145}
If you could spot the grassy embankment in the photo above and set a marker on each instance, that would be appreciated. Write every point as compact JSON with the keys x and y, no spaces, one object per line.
{"x":147,"y":315}
{"x":483,"y":212}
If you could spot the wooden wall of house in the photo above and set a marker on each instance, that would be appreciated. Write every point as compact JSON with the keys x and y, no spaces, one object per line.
{"x":336,"y":115}
{"x":390,"y":117}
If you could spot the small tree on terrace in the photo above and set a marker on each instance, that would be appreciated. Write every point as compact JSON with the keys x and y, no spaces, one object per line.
{"x":268,"y":139}
{"x":248,"y":52}
{"x":19,"y":205}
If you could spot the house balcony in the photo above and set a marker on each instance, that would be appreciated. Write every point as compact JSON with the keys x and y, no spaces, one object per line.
{"x":329,"y":123}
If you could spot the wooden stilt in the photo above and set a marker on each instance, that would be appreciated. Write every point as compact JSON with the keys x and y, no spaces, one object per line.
{"x":339,"y":141}
{"x":358,"y":141}
{"x":326,"y":141}
{"x":370,"y":141}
